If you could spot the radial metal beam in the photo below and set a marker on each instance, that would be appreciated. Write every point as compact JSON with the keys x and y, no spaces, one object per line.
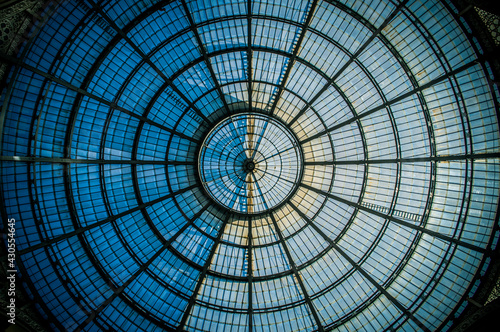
{"x":253,"y":180}
{"x":296,"y":49}
{"x":202,"y":275}
{"x":380,"y":288}
{"x":297,"y":275}
{"x":476,"y":156}
{"x":249,"y":53}
{"x":147,"y":59}
{"x":250,"y":275}
{"x":365,"y":274}
{"x":352,"y":58}
{"x":421,"y":229}
{"x":120,"y":289}
{"x":101,"y":222}
{"x":143,"y":268}
{"x":395,"y":100}
{"x":374,"y":35}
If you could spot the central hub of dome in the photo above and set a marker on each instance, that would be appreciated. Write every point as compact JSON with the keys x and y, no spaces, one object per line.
{"x":250,"y":163}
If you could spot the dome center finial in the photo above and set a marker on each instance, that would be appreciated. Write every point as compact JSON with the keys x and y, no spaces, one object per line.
{"x":249,"y":165}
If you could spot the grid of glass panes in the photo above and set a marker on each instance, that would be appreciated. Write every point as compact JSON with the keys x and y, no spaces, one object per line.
{"x":387,"y":162}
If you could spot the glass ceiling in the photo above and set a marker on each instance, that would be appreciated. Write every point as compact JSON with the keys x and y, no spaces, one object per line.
{"x":269,"y":165}
{"x":250,"y":163}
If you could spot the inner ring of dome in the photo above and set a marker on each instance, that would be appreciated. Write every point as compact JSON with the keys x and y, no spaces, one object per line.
{"x":250,"y":163}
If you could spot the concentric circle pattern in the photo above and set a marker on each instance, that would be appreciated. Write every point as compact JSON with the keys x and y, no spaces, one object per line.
{"x":251,"y":165}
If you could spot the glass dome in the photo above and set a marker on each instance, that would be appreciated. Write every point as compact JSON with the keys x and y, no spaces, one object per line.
{"x":263,"y":165}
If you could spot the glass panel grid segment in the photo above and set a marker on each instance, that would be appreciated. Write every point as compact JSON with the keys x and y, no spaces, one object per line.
{"x":251,"y":165}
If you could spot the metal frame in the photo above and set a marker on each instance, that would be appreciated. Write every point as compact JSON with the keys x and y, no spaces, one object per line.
{"x":66,"y":161}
